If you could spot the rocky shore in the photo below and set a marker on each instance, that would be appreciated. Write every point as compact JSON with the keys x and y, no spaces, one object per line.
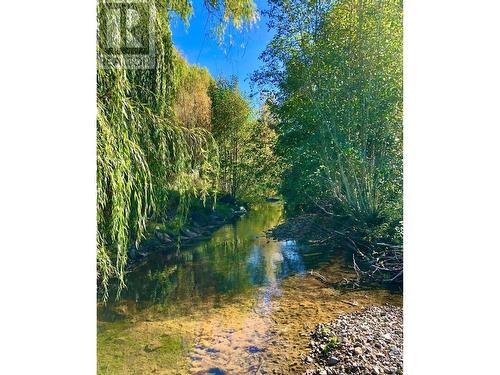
{"x":365,"y":342}
{"x":302,"y":227}
{"x":201,"y":224}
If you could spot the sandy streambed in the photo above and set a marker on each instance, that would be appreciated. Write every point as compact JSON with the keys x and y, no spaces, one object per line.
{"x":258,"y":332}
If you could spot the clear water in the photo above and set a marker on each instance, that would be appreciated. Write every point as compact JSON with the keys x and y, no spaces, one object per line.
{"x":208,"y":308}
{"x":237,"y":258}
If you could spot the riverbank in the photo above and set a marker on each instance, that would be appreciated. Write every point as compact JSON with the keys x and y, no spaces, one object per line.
{"x":369,"y":341}
{"x":299,"y":228}
{"x":307,"y":301}
{"x":237,"y":303}
{"x":366,"y":341}
{"x":376,"y":262}
{"x":201,"y":222}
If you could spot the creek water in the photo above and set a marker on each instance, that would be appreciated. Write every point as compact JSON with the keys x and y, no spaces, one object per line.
{"x":207,"y":308}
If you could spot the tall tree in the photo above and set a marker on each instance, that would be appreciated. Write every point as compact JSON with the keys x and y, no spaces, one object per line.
{"x":143,"y":151}
{"x":230,"y":113}
{"x":335,"y":71}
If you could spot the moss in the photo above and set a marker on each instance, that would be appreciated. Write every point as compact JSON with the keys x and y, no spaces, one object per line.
{"x":122,"y":349}
{"x":172,"y":345}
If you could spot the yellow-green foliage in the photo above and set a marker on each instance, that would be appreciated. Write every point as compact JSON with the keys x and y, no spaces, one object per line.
{"x":259,"y":167}
{"x":230,"y":114}
{"x":144,"y":151}
{"x":192,"y":102}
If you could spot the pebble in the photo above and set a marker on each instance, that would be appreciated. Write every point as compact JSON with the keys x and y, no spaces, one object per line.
{"x":331,"y":361}
{"x":369,"y":342}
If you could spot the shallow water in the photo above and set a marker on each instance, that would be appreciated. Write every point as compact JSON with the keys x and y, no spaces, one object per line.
{"x":218,"y":307}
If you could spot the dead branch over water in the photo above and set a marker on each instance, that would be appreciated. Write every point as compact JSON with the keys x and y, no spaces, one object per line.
{"x":373,"y":262}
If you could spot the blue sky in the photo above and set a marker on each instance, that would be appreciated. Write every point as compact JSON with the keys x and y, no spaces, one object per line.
{"x":199,"y":46}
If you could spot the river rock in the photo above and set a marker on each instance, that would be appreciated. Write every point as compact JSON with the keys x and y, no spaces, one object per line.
{"x":163,"y":237}
{"x":332,"y":361}
{"x":189,"y":233}
{"x":369,"y":341}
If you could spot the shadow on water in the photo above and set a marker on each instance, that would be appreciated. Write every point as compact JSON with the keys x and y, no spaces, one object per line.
{"x":215,"y":371}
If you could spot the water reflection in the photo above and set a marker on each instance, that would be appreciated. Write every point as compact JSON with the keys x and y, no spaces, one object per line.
{"x":237,"y":259}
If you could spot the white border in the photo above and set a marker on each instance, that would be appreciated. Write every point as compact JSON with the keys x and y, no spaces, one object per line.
{"x":47,"y":187}
{"x":451,"y":187}
{"x":47,"y":152}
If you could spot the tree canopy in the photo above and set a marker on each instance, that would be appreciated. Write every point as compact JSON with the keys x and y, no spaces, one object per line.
{"x":334,"y":72}
{"x":149,"y":142}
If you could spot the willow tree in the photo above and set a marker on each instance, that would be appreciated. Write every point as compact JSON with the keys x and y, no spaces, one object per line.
{"x":143,"y":151}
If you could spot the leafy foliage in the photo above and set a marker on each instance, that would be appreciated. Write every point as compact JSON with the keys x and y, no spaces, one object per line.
{"x":229,"y":116}
{"x":144,"y":150}
{"x":192,"y":103}
{"x":260,"y":167}
{"x":334,"y":72}
{"x":249,"y":169}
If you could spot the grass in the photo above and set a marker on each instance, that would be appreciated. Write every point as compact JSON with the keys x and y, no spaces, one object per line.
{"x":332,"y":344}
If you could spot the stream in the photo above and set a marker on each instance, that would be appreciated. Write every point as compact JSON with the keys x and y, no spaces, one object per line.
{"x":237,"y":303}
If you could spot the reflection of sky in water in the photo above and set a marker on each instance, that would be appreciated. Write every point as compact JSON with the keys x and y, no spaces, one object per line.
{"x":236,"y":259}
{"x":254,"y":258}
{"x":274,"y":260}
{"x":269,"y":263}
{"x":292,"y":260}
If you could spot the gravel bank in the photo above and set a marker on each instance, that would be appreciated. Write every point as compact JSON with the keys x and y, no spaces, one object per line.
{"x":303,"y":227}
{"x":369,"y":341}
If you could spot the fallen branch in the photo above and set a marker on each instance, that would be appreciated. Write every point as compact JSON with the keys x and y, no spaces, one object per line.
{"x":318,"y":276}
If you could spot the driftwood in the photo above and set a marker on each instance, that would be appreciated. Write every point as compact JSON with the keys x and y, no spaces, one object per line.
{"x":373,"y":262}
{"x":380,"y":262}
{"x":260,"y":365}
